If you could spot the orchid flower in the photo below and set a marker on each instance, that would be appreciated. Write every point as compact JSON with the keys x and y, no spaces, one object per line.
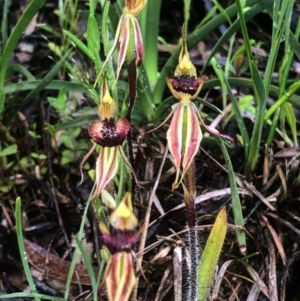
{"x":119,"y":275}
{"x":128,"y":36}
{"x":110,"y":135}
{"x":184,"y":134}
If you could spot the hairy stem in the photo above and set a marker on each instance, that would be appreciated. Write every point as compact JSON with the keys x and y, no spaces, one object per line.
{"x":191,"y":215}
{"x":132,"y":81}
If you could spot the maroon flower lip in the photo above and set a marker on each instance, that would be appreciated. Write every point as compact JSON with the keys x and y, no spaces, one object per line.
{"x":120,"y":241}
{"x":185,"y":84}
{"x":108,"y":133}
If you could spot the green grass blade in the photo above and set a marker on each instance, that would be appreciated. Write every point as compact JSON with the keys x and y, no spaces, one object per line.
{"x":30,"y":295}
{"x":78,"y":122}
{"x":221,"y":9}
{"x":88,"y":264}
{"x":238,"y":116}
{"x":287,"y":115}
{"x":144,"y":110}
{"x":220,"y":74}
{"x":281,"y":18}
{"x":285,"y":97}
{"x":109,"y":69}
{"x":235,"y":201}
{"x":77,"y":250}
{"x":248,"y":83}
{"x":295,"y":45}
{"x":53,"y":85}
{"x":149,"y":25}
{"x":284,"y":70}
{"x":234,"y":27}
{"x":244,"y":29}
{"x":210,"y":255}
{"x":16,"y":68}
{"x":259,"y":95}
{"x":4,"y":24}
{"x":43,"y":83}
{"x":93,"y":38}
{"x":261,"y":100}
{"x":18,"y":217}
{"x":101,"y":268}
{"x":79,"y":44}
{"x":13,"y":40}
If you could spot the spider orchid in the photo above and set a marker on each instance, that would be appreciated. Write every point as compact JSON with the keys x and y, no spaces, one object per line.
{"x":184,"y":134}
{"x":128,"y":37}
{"x":110,"y":135}
{"x":119,"y":274}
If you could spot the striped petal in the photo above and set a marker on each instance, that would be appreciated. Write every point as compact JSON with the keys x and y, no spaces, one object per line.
{"x":174,"y":138}
{"x":138,"y":42}
{"x":120,"y":279}
{"x":192,"y":136}
{"x":184,"y":137}
{"x":123,"y":40}
{"x":106,"y":168}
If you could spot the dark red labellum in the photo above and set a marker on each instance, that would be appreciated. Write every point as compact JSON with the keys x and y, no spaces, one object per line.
{"x":185,"y":84}
{"x":109,"y":133}
{"x":120,"y":241}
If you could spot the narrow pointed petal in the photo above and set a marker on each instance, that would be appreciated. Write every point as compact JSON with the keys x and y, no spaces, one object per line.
{"x":120,"y":279}
{"x":138,"y":41}
{"x":124,"y":40}
{"x":185,"y":66}
{"x":107,"y":107}
{"x":112,"y":50}
{"x":192,"y":138}
{"x":227,"y":139}
{"x":174,"y":138}
{"x":83,"y":161}
{"x":106,"y":168}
